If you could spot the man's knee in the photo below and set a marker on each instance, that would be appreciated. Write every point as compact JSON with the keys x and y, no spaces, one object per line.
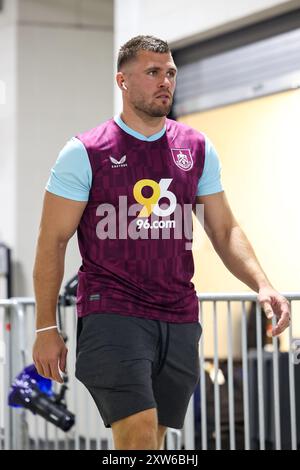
{"x":138,"y":431}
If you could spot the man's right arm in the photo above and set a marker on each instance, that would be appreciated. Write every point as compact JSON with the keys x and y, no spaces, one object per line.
{"x":60,"y":219}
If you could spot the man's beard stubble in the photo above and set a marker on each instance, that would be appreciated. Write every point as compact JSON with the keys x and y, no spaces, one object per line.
{"x":153,"y":110}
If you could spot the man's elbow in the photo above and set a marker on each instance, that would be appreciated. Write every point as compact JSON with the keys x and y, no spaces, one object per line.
{"x":51,"y":240}
{"x":222,"y":235}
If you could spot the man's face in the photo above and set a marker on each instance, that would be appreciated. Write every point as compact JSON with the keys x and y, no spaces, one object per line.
{"x":151,"y":80}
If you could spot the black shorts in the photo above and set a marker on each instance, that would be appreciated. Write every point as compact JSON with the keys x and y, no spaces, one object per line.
{"x":131,"y":364}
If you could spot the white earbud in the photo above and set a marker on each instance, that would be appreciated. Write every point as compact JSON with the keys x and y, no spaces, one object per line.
{"x":124,"y":86}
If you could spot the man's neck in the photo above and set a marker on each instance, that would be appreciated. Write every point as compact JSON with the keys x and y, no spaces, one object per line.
{"x":145,"y":125}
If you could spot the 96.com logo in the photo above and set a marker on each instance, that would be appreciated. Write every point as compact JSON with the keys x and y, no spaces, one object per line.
{"x":151,"y":204}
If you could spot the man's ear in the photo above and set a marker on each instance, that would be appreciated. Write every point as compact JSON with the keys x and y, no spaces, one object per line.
{"x":121,"y":81}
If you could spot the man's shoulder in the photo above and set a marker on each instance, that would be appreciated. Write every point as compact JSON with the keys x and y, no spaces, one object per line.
{"x":94,"y":136}
{"x":175,"y":127}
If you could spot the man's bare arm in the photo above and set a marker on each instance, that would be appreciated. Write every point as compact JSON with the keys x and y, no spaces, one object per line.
{"x":60,"y":219}
{"x":236,"y":252}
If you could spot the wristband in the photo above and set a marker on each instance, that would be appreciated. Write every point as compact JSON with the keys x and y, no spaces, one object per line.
{"x":45,"y":329}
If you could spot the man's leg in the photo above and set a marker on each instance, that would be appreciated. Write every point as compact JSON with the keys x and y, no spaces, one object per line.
{"x":137,"y":431}
{"x":161,"y":434}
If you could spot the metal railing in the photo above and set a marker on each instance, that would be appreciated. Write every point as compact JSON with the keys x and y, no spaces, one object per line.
{"x":260,"y":379}
{"x":19,"y":428}
{"x":269,"y":390}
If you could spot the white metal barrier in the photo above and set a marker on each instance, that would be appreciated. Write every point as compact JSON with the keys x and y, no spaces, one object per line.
{"x":270,"y":393}
{"x":20,"y":429}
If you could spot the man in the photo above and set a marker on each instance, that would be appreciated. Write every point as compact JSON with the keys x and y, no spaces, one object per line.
{"x":125,"y":187}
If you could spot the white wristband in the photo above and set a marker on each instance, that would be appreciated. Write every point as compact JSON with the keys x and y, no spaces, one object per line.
{"x":45,"y":329}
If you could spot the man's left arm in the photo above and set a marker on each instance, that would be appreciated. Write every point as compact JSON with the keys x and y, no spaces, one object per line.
{"x":236,"y":252}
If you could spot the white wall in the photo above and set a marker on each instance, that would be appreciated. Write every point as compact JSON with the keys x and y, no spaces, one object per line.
{"x":7,"y":122}
{"x":64,"y":54}
{"x":182,"y":22}
{"x":7,"y":157}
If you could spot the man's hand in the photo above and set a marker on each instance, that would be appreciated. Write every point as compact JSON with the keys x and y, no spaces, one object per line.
{"x":273,"y":303}
{"x":49,"y":352}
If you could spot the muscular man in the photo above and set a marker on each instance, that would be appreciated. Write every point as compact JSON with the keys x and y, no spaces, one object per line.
{"x":127,"y":188}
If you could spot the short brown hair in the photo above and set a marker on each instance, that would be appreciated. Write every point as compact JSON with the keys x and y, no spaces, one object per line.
{"x":130,"y":49}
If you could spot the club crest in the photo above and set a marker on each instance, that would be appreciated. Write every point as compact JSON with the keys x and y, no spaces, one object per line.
{"x":182,"y":158}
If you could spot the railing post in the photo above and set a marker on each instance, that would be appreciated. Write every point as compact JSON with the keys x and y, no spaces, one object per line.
{"x":17,"y":363}
{"x":189,"y":426}
{"x":8,"y":429}
{"x":173,"y":439}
